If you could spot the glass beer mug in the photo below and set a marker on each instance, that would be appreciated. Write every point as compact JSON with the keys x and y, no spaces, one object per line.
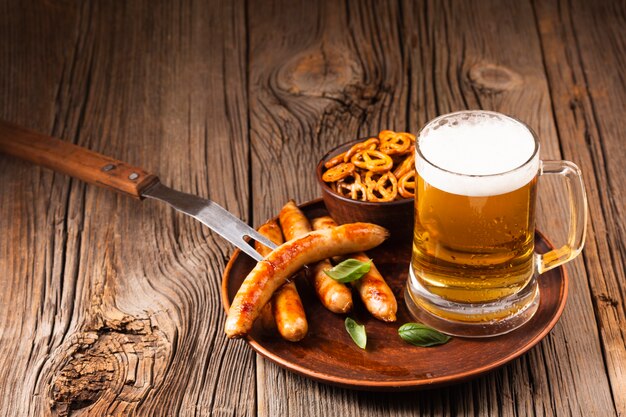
{"x":473,"y":269}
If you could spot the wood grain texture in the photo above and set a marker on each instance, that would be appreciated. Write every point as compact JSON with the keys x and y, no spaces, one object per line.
{"x":75,"y":161}
{"x":110,"y":306}
{"x":582,"y":88}
{"x":402,"y":64}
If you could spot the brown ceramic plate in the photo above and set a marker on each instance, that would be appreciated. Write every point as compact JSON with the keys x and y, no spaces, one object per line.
{"x":328,"y":354}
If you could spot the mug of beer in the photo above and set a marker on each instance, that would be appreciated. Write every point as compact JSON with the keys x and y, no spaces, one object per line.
{"x":473,"y":268}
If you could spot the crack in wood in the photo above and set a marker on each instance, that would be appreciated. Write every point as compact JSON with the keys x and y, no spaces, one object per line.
{"x":608,"y":300}
{"x":111,"y":355}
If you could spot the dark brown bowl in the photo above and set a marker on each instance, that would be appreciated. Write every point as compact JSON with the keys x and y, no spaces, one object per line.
{"x":396,"y":216}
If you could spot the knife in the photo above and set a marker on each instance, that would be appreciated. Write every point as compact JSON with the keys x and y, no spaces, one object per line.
{"x":100,"y":170}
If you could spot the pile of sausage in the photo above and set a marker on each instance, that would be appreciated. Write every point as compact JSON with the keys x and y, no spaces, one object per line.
{"x":267,"y":293}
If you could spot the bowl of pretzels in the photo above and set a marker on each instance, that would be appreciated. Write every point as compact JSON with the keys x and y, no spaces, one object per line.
{"x":372,"y":180}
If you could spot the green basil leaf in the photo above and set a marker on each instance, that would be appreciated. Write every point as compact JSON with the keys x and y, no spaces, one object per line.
{"x":420,"y":335}
{"x":356,"y":332}
{"x":349,"y":270}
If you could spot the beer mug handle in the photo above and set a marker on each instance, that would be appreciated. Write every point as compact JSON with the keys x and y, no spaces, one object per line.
{"x":578,"y":215}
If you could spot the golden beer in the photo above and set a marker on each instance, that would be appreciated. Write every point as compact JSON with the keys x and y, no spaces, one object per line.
{"x":473,"y":249}
{"x":473,"y":269}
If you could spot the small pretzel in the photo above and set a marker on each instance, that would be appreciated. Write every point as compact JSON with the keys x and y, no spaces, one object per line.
{"x":385,"y":189}
{"x":370,"y":144}
{"x":342,"y":188}
{"x":338,"y":172}
{"x":410,"y":150}
{"x":386,"y":134}
{"x":352,"y":187}
{"x":406,"y":185}
{"x":334,"y":160}
{"x":410,"y":136}
{"x":372,"y":160}
{"x":405,"y":166}
{"x":397,"y":144}
{"x":371,"y":178}
{"x":358,"y":192}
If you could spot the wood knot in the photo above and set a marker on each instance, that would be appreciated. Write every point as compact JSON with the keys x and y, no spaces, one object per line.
{"x":492,"y":78}
{"x":89,"y":373}
{"x":608,"y":300}
{"x":117,"y":355}
{"x":320,"y":73}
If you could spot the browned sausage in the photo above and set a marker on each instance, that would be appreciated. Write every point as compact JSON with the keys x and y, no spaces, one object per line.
{"x":324,"y":222}
{"x":270,"y":230}
{"x":289,"y":313}
{"x":288,"y":310}
{"x":334,"y":296}
{"x":375,"y":293}
{"x":372,"y":288}
{"x":273,"y":271}
{"x":292,"y":221}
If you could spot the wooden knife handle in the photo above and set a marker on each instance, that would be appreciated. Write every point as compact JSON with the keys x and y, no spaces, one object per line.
{"x":73,"y":160}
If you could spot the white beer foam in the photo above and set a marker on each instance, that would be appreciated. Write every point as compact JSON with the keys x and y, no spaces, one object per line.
{"x":493,"y":149}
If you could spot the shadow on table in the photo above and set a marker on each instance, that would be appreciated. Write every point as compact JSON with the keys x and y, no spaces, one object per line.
{"x":489,"y":391}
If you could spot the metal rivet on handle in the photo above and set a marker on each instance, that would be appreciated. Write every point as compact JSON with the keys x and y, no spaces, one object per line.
{"x":108,"y":167}
{"x":133,"y":176}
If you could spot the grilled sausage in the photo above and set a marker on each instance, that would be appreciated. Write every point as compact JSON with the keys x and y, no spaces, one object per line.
{"x":335,"y":296}
{"x":324,"y":222}
{"x":288,"y":310}
{"x":270,"y":230}
{"x":288,"y":313}
{"x":372,"y":288}
{"x":284,"y":261}
{"x":375,"y":293}
{"x":292,"y":221}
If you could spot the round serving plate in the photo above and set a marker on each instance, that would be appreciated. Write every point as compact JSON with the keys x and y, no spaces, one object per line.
{"x":327,"y":353}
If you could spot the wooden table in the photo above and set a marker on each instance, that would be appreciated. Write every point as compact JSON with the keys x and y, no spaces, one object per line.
{"x":110,"y":306}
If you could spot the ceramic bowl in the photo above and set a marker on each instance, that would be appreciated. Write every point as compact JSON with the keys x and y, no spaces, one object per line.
{"x":396,"y":216}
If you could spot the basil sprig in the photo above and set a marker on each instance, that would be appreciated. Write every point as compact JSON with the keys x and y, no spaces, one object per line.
{"x":356,"y":332}
{"x":349,"y":270}
{"x":420,"y":335}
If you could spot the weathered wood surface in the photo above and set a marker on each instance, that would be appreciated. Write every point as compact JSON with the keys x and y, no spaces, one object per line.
{"x":110,"y":306}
